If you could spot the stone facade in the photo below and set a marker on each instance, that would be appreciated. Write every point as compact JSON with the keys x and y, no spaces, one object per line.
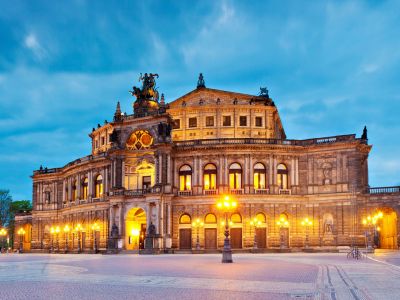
{"x":169,"y":167}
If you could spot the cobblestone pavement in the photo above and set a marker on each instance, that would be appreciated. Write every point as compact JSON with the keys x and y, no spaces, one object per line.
{"x":251,"y":276}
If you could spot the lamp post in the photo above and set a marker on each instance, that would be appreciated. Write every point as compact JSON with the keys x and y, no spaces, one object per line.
{"x":306,"y":223}
{"x":21,"y":233}
{"x":197,"y":224}
{"x":78,"y":229}
{"x":227,"y":205}
{"x":95,"y":228}
{"x":3,"y":233}
{"x":282,"y":223}
{"x":66,"y":232}
{"x":256,"y":223}
{"x":54,"y":230}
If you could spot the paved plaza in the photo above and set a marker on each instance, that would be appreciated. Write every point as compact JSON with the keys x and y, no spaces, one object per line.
{"x":181,"y":276}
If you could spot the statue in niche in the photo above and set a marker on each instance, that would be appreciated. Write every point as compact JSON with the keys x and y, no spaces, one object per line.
{"x":327,"y":173}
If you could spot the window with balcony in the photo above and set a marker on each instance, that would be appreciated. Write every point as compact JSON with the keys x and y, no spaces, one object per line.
{"x":282,"y":176}
{"x":98,"y":186}
{"x":235,"y":176}
{"x":226,"y":120}
{"x":210,"y":177}
{"x":185,"y":178}
{"x":192,"y":122}
{"x":259,"y":176}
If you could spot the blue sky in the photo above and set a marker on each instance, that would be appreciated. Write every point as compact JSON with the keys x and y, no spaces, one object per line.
{"x":331,"y":67}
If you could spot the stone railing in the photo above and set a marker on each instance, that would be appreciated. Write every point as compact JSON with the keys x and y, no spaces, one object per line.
{"x":384,"y":190}
{"x":243,"y":141}
{"x":137,"y":192}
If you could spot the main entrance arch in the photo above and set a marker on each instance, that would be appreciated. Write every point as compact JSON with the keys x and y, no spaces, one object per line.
{"x":135,"y":228}
{"x":387,"y":229}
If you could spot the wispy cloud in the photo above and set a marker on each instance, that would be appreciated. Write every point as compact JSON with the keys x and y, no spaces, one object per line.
{"x":31,"y":42}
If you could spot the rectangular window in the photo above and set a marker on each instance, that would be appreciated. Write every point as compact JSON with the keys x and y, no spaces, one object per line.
{"x":243,"y":121}
{"x":146,"y":182}
{"x":226,"y":121}
{"x":192,"y":122}
{"x":103,"y":140}
{"x":209,"y":121}
{"x":259,"y":122}
{"x":176,"y":124}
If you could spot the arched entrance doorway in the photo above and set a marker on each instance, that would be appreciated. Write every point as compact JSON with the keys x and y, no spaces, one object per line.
{"x":386,"y":230}
{"x":135,"y":229}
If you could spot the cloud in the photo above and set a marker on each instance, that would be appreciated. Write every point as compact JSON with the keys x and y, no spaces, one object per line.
{"x":31,"y":42}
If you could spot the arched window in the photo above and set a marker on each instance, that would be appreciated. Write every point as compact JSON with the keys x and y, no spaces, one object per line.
{"x":185,"y":178}
{"x":210,"y":177}
{"x":282,"y":176}
{"x":98,"y":186}
{"x":185,"y":219}
{"x":84,"y":190}
{"x":74,"y":191}
{"x":261,"y":217}
{"x":259,"y":176}
{"x":236,"y":218}
{"x":235,"y":176}
{"x":210,"y":219}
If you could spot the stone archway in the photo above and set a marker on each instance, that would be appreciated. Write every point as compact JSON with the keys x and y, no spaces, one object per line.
{"x":386,"y":233}
{"x":135,"y":228}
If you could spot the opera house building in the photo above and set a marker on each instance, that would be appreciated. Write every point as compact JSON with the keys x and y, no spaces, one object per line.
{"x":153,"y":178}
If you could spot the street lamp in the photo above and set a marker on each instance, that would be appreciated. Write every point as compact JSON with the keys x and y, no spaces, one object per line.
{"x":95,"y":228}
{"x":371,"y":223}
{"x":66,"y":232}
{"x":78,"y":229}
{"x":227,"y":205}
{"x":3,"y":233}
{"x":197,"y":224}
{"x":256,"y":223}
{"x":306,"y":223}
{"x":282,"y":223}
{"x":21,"y":233}
{"x":54,"y":230}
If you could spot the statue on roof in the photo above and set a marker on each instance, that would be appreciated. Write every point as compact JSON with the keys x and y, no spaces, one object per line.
{"x":200,"y":82}
{"x":364,"y":135}
{"x":264,"y":92}
{"x":147,"y":96}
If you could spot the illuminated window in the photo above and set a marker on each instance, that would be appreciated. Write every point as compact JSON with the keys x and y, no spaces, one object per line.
{"x":282,"y":176}
{"x":209,"y":121}
{"x":98,"y":186}
{"x":226,"y":121}
{"x":192,"y":122}
{"x":185,"y":219}
{"x":259,"y":122}
{"x":210,"y":177}
{"x":259,"y":176}
{"x":85,"y":183}
{"x":236,"y":218}
{"x":74,"y":191}
{"x":210,"y":219}
{"x":243,"y":121}
{"x":261,"y":217}
{"x":185,"y":178}
{"x":235,"y":176}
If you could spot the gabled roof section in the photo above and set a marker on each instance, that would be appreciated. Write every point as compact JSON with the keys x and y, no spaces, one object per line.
{"x":206,"y":96}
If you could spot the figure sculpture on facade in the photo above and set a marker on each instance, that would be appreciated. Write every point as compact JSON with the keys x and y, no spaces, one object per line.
{"x":201,"y":83}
